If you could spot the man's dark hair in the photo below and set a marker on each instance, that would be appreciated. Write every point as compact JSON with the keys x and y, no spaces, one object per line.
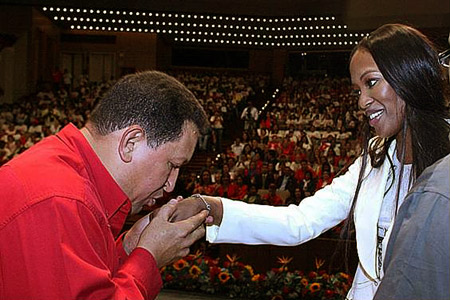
{"x":157,"y":102}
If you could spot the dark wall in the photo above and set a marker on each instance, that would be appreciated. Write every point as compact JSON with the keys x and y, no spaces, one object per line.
{"x":334,"y":64}
{"x":194,"y":57}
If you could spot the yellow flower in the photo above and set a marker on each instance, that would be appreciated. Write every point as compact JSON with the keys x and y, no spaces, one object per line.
{"x":195,"y":271}
{"x":314,"y":287}
{"x":224,"y":277}
{"x":256,"y":277}
{"x":304,"y":281}
{"x":180,"y":264}
{"x":249,"y":269}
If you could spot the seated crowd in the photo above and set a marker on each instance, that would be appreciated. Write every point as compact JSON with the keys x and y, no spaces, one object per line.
{"x":297,"y":145}
{"x":303,"y":140}
{"x":29,"y":119}
{"x":222,"y":95}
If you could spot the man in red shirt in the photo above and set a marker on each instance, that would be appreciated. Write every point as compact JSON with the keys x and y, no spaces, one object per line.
{"x":64,"y":201}
{"x":272,"y":198}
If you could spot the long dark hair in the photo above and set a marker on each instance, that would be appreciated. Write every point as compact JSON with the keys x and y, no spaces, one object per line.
{"x":409,"y":63}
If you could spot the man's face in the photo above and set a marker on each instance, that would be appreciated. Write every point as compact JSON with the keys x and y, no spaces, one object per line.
{"x":304,"y":164}
{"x":156,"y":170}
{"x":272,"y":188}
{"x":264,"y":169}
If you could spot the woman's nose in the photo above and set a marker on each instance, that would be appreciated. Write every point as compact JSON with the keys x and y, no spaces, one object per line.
{"x":364,"y":100}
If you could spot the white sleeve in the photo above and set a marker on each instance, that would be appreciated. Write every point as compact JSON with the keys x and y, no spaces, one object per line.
{"x":292,"y":225}
{"x":243,"y":113}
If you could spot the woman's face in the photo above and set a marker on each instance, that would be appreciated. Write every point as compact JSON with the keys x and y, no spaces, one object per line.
{"x":206,"y":177}
{"x":383,"y":107}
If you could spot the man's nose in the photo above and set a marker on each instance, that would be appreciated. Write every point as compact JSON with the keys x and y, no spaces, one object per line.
{"x":170,"y":184}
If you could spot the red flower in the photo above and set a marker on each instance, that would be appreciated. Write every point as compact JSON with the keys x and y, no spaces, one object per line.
{"x":226,"y":264}
{"x":190,"y":257}
{"x":213,"y":271}
{"x":329,"y":294}
{"x":212,"y":262}
{"x":236,"y":274}
{"x":321,"y":272}
{"x":312,"y":275}
{"x":168,"y":278}
{"x":286,"y":290}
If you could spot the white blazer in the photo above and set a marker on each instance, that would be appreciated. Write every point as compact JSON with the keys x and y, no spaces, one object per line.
{"x":262,"y":224}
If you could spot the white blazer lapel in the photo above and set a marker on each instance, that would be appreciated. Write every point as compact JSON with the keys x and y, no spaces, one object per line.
{"x":367,"y":212}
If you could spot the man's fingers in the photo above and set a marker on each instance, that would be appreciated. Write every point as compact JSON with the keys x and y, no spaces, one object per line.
{"x":167,"y":210}
{"x":192,"y":237}
{"x":195,"y":221}
{"x":198,"y":233}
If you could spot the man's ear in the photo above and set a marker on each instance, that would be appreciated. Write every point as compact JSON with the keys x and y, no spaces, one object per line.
{"x":129,"y":141}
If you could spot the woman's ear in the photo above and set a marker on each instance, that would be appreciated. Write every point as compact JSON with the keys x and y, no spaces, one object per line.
{"x":129,"y":141}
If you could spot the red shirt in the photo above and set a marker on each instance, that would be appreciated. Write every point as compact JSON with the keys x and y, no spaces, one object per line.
{"x":230,"y":191}
{"x":273,"y":200}
{"x":240,"y":192}
{"x":205,"y":189}
{"x":60,"y":212}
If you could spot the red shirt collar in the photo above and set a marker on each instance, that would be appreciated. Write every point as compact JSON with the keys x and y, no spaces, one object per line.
{"x":114,"y":200}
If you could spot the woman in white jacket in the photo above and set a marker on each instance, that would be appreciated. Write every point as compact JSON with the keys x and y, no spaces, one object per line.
{"x":396,"y":73}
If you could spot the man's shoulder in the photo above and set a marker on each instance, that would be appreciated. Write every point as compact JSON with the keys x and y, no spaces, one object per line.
{"x":435,"y":178}
{"x":43,"y":172}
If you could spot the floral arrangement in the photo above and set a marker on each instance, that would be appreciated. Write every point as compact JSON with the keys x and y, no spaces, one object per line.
{"x":234,"y":279}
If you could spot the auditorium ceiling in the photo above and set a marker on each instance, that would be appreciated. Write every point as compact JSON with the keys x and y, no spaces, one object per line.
{"x":295,"y":24}
{"x":358,"y":14}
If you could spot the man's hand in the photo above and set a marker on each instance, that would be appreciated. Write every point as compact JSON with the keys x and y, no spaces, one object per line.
{"x":133,"y":235}
{"x":168,"y":241}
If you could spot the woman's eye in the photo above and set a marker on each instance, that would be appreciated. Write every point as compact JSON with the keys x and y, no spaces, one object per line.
{"x":371,"y":82}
